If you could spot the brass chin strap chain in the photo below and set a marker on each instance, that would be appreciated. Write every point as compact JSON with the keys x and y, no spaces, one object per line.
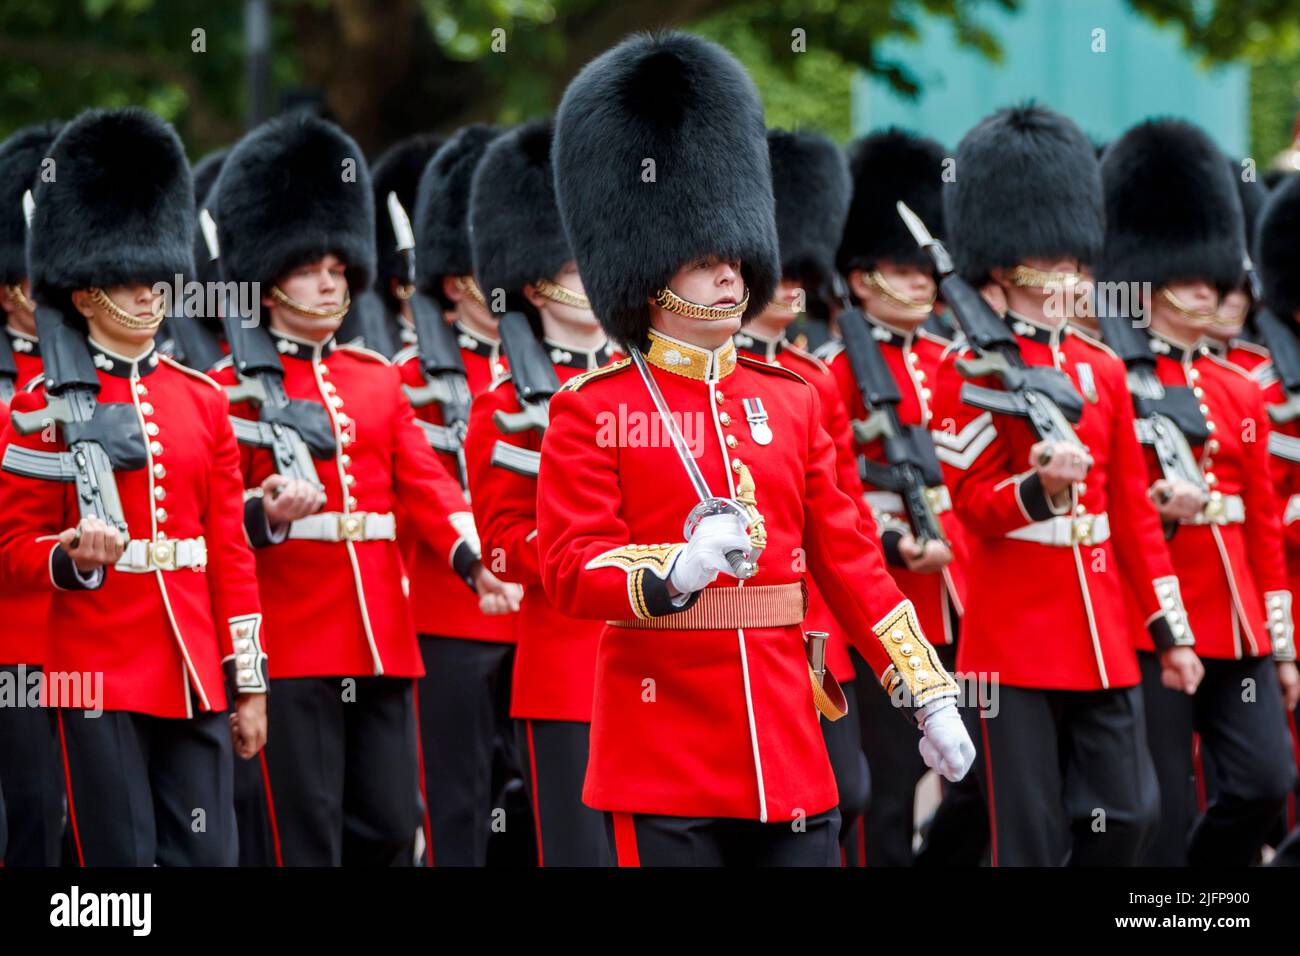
{"x":469,"y":286}
{"x":558,"y":293}
{"x":404,"y":292}
{"x":20,"y":297}
{"x":124,"y":318}
{"x":881,"y":285}
{"x":1038,"y":279}
{"x":1212,"y":316}
{"x":670,"y":301}
{"x":307,"y":310}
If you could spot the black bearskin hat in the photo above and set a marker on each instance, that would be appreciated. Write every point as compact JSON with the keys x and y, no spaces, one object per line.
{"x":886,"y":167}
{"x":118,"y":211}
{"x":442,"y":207}
{"x":21,"y":156}
{"x":661,"y":157}
{"x":1277,"y":249}
{"x":1028,"y":185}
{"x":293,"y":190}
{"x":206,"y":171}
{"x":810,"y":184}
{"x":1172,"y":210}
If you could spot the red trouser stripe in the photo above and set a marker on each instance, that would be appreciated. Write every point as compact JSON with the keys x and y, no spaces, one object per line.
{"x":424,"y":793}
{"x":988,"y":772}
{"x":270,"y":807}
{"x":532,"y":773}
{"x":625,"y":850}
{"x":67,"y":777}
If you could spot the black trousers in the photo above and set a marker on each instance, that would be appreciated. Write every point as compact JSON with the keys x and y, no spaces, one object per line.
{"x":465,"y":730}
{"x":145,"y":790}
{"x":1254,"y":769}
{"x":254,"y":814}
{"x":649,"y":840}
{"x":1068,"y":777}
{"x":896,"y":768}
{"x":569,"y":833}
{"x":33,"y":782}
{"x":342,"y":762}
{"x":852,"y":776}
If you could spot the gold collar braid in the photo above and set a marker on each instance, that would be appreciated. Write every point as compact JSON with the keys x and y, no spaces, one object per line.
{"x":1179,"y":306}
{"x":124,"y":318}
{"x":1038,"y":279}
{"x":878,"y":282}
{"x":307,"y":310}
{"x":20,"y":297}
{"x":558,"y":293}
{"x":670,"y":301}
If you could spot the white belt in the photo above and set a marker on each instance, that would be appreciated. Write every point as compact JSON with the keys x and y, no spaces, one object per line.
{"x":337,"y":526}
{"x":142,"y":556}
{"x":1220,"y":509}
{"x":1065,"y":530}
{"x":891,"y":503}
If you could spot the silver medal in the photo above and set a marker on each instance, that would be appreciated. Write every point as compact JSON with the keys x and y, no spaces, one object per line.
{"x":757,"y":417}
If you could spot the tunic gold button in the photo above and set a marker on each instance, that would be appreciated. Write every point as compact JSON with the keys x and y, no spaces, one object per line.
{"x":159,"y":492}
{"x":159,"y":471}
{"x":731,"y":441}
{"x":151,"y":428}
{"x":155,"y":448}
{"x":735,"y":464}
{"x":346,"y":460}
{"x":146,"y":408}
{"x":724,"y":418}
{"x":349,"y":480}
{"x":718,"y":397}
{"x":161,"y":514}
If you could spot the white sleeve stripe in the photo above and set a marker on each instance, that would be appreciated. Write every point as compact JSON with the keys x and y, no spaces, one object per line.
{"x":974,"y":448}
{"x":974,"y":430}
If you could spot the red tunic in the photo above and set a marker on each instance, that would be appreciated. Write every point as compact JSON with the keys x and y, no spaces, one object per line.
{"x":835,"y":420}
{"x":555,"y":662}
{"x":24,"y":611}
{"x":440,"y":602}
{"x":365,"y":627}
{"x":161,"y":635}
{"x":914,"y":359}
{"x":1226,"y":570}
{"x":716,"y":722}
{"x":1041,"y":615}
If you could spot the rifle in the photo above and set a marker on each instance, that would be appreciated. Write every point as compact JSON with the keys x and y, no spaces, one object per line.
{"x":191,"y":342}
{"x":1045,"y":396}
{"x":367,"y":321}
{"x":913,"y":466}
{"x":535,"y":382}
{"x":435,"y":342}
{"x":8,"y":369}
{"x":1284,"y":350}
{"x":294,"y":430}
{"x":101,"y":439}
{"x":1168,"y":418}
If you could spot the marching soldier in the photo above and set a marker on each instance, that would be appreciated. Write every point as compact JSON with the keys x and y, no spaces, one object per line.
{"x":29,"y":769}
{"x":160,"y":596}
{"x":893,"y":282}
{"x":464,"y":697}
{"x":1276,"y":244}
{"x":1066,"y":522}
{"x":705,"y":746}
{"x":810,"y":183}
{"x":520,"y":251}
{"x":296,"y":215}
{"x":1226,"y":543}
{"x":1232,"y":331}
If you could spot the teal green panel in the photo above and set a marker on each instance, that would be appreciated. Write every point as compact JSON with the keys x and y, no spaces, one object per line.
{"x":1048,"y":57}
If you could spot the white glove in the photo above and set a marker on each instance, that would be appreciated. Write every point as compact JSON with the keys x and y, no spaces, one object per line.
{"x":945,"y":746}
{"x":705,"y":555}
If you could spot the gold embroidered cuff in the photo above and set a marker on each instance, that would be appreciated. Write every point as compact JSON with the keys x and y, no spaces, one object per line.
{"x":1281,"y":627}
{"x":915,"y":665}
{"x":652,"y":557}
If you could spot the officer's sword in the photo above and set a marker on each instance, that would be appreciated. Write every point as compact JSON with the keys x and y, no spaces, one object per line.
{"x":742,"y":565}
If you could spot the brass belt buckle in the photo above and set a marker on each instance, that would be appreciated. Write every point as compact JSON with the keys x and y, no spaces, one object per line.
{"x":1081,"y":529}
{"x":162,"y":555}
{"x":352,"y":527}
{"x":1214,"y":510}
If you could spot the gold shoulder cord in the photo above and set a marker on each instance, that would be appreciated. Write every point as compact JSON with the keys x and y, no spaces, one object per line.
{"x":745,"y":495}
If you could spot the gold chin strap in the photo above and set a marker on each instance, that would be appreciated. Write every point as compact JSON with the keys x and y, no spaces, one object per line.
{"x":307,"y":310}
{"x":469,"y":286}
{"x":881,"y":285}
{"x":19,"y":296}
{"x":124,"y":318}
{"x":1186,"y":312}
{"x":670,"y":301}
{"x":404,"y":292}
{"x":558,"y":293}
{"x":1038,"y":279}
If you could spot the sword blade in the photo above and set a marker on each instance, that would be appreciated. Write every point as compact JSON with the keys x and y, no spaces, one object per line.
{"x":674,"y":433}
